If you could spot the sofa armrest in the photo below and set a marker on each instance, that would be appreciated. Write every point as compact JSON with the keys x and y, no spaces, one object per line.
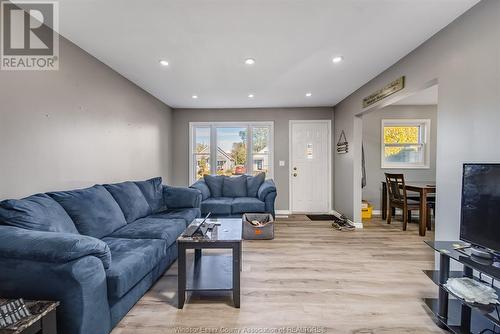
{"x":267,"y":193}
{"x":80,"y":286}
{"x":64,"y":267}
{"x":52,"y":247}
{"x":202,"y":186}
{"x":266,"y":188}
{"x":181,"y":197}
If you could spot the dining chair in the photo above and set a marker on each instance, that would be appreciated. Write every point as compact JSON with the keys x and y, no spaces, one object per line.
{"x":398,"y":198}
{"x":431,"y":206}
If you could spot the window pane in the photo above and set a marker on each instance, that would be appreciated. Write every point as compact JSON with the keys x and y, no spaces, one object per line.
{"x":260,"y":140}
{"x":401,"y":134}
{"x":260,"y":148}
{"x":231,"y":151}
{"x":201,"y":152}
{"x":411,"y":154}
{"x":260,"y":163}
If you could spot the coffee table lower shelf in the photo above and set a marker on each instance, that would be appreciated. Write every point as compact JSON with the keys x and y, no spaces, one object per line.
{"x":209,"y":273}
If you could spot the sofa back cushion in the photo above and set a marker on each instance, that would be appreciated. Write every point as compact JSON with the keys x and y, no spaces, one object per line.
{"x":94,"y":210}
{"x":38,"y":212}
{"x":214,"y":183}
{"x":235,"y":186}
{"x":130,"y":199}
{"x":254,"y":183}
{"x":153,"y":192}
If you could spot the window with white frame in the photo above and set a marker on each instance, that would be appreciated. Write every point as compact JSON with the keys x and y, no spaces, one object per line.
{"x":405,"y":143}
{"x":228,"y":148}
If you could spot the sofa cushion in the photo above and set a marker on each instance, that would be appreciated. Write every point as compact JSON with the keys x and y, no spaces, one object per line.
{"x":214,"y":183}
{"x":254,"y":183}
{"x":235,"y":186}
{"x":132,"y":260}
{"x":188,"y":214}
{"x":38,"y":212}
{"x":130,"y":199}
{"x":93,"y":210}
{"x":201,"y":186}
{"x":219,"y":206}
{"x":247,"y":205}
{"x":152,"y":228}
{"x":153,"y":192}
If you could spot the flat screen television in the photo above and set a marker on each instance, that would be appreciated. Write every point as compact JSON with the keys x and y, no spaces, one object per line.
{"x":480,"y":218}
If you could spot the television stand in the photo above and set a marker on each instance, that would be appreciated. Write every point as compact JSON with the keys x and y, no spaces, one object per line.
{"x":455,"y":314}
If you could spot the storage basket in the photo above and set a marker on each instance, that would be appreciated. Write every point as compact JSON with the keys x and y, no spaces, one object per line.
{"x":263,"y":232}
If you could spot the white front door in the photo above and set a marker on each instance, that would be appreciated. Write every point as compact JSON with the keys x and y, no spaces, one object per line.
{"x":310,"y":184}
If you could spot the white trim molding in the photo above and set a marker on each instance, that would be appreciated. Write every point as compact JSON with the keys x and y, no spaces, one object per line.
{"x":424,"y":142}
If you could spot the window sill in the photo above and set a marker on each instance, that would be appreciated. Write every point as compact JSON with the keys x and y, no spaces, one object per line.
{"x":404,"y":167}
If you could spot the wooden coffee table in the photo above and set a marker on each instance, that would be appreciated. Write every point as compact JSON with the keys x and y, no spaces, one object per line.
{"x":211,"y":272}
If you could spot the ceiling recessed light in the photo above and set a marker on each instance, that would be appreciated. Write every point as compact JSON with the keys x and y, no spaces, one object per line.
{"x":308,"y":94}
{"x":163,"y":63}
{"x":337,"y":59}
{"x":249,"y":61}
{"x":194,"y":97}
{"x":251,"y":96}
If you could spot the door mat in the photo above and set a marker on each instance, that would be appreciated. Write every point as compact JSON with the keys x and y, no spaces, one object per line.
{"x":322,"y":217}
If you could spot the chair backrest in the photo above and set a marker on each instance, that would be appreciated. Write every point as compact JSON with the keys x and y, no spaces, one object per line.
{"x":396,"y":187}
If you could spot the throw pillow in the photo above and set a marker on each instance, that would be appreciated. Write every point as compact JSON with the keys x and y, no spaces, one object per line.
{"x":214,"y":183}
{"x":254,"y":183}
{"x":235,"y":186}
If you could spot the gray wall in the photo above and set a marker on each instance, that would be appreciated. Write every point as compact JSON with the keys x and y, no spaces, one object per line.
{"x":280,"y":116}
{"x":372,"y":142}
{"x":78,"y":126}
{"x":465,"y":59}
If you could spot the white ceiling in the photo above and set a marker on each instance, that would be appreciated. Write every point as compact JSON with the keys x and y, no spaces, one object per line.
{"x":292,"y":41}
{"x":427,"y":96}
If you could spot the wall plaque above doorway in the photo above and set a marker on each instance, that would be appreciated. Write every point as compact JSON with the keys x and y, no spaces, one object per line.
{"x":379,"y":95}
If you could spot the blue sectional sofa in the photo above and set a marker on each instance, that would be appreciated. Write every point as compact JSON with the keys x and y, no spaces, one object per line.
{"x":96,"y":250}
{"x":226,"y":196}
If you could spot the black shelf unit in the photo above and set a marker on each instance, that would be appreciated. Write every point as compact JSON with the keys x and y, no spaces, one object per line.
{"x":451,"y":312}
{"x":453,"y":323}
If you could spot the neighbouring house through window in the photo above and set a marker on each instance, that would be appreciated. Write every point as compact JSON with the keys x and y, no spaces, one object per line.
{"x":227,"y":148}
{"x":405,"y":143}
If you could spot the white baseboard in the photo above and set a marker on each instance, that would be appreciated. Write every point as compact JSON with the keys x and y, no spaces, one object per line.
{"x":282,"y":212}
{"x":338,"y":214}
{"x":414,"y":214}
{"x":398,"y":212}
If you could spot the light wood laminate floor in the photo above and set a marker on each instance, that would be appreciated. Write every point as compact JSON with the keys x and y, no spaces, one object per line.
{"x":366,"y":281}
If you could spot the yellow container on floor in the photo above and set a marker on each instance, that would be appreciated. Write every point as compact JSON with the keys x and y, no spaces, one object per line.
{"x":366,"y":213}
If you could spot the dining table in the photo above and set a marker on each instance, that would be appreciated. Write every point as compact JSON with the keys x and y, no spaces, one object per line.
{"x":423,"y":189}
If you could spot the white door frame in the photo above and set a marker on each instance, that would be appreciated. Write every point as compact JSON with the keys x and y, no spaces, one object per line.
{"x":328,"y":122}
